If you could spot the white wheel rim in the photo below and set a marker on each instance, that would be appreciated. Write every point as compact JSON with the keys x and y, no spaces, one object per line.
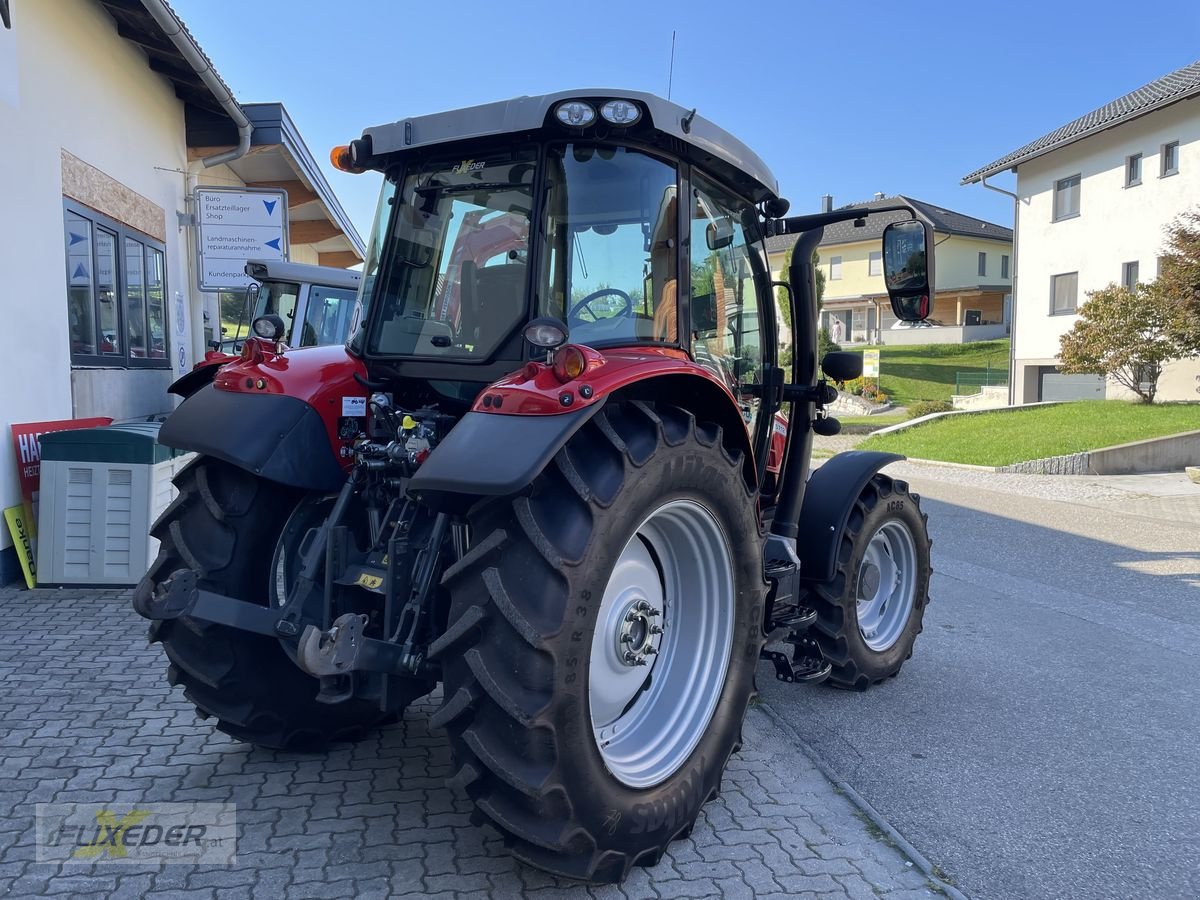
{"x":652,"y":693}
{"x":887,"y":585}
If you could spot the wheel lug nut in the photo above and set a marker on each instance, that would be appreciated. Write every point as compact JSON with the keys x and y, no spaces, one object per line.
{"x":650,"y":651}
{"x":654,"y":613}
{"x":656,"y":629}
{"x":627,"y":639}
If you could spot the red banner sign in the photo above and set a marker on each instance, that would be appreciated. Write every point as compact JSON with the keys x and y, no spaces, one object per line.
{"x":27,"y":444}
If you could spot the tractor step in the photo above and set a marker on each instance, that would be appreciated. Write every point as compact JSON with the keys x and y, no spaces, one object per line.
{"x":801,"y":670}
{"x":798,"y":619}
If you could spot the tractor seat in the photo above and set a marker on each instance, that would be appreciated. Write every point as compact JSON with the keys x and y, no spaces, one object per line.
{"x":493,"y":303}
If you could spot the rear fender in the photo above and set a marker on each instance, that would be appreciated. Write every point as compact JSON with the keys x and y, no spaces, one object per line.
{"x":829,"y":498}
{"x":186,"y":385}
{"x":279,"y":416}
{"x":498,"y":454}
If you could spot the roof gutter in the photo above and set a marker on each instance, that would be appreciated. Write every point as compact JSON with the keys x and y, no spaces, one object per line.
{"x":173,"y":28}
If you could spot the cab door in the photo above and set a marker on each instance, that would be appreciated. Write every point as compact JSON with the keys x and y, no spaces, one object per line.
{"x":732,"y":317}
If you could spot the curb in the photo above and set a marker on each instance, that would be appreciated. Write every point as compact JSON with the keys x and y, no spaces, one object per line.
{"x":962,"y":412}
{"x":865,"y":808}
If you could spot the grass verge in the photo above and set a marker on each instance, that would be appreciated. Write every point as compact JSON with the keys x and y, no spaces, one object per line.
{"x":926,"y":371}
{"x":1008,"y":436}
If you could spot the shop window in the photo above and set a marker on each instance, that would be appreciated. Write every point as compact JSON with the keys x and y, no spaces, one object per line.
{"x":116,"y":293}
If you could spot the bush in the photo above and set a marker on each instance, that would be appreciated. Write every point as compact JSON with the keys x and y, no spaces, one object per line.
{"x":925,"y":407}
{"x":825,"y":344}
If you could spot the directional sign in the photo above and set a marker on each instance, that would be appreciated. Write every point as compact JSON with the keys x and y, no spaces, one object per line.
{"x":236,"y":225}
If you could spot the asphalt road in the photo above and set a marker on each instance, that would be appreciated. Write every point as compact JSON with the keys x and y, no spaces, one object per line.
{"x":1044,"y":740}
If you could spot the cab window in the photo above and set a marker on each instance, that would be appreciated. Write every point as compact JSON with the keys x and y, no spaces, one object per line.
{"x":327,"y":318}
{"x":610,"y":270}
{"x":726,"y":333}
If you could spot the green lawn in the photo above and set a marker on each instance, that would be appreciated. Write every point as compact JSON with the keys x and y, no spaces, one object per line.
{"x":1008,"y":436}
{"x":926,"y":371}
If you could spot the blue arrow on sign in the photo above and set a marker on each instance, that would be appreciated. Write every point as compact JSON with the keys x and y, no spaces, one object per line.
{"x":80,"y":272}
{"x":273,"y":243}
{"x":270,"y":205}
{"x":76,"y":238}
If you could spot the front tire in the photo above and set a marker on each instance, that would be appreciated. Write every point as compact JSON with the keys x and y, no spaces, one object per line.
{"x":225,"y":525}
{"x":532,"y":655}
{"x":870,"y":613}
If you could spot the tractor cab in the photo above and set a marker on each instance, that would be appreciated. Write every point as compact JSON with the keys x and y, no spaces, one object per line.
{"x":566,"y":209}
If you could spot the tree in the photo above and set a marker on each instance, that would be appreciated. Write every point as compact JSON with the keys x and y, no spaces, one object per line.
{"x":781,"y":299}
{"x":1179,"y":272}
{"x":1128,"y":335}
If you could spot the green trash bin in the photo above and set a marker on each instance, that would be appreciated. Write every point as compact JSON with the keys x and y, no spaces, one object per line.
{"x":101,"y":489}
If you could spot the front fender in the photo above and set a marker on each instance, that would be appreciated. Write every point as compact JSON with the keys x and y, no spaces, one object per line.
{"x":828,"y":499}
{"x":275,"y":436}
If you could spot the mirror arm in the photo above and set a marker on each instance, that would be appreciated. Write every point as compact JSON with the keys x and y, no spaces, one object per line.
{"x":797,"y":224}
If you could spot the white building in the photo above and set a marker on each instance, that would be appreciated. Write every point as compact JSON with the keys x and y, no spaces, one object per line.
{"x":106,"y":126}
{"x":1094,"y":199}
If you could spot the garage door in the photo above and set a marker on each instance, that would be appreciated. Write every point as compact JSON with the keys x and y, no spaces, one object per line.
{"x":1071,"y":387}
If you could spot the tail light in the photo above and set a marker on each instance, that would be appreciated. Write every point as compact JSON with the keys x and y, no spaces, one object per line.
{"x":569,"y":363}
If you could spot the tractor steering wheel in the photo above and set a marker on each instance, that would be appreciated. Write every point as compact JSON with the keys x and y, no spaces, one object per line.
{"x":596,"y":295}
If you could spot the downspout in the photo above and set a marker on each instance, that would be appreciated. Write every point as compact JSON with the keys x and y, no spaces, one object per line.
{"x":183,"y":42}
{"x":1012,"y":324}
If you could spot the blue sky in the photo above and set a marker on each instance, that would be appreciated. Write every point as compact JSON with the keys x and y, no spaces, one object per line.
{"x":900,"y":97}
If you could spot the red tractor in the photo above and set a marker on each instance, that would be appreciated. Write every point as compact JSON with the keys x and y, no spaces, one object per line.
{"x":537,"y":474}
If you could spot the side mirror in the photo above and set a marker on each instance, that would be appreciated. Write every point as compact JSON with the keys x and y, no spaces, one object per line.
{"x":719,"y":233}
{"x":908,"y":269}
{"x":842,"y":366}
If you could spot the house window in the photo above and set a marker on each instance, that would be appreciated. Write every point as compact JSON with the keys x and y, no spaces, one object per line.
{"x":1133,"y":170}
{"x":982,"y":264}
{"x":1066,"y":198}
{"x":835,"y":268}
{"x":875,"y":263}
{"x":116,"y":293}
{"x":1063,"y":291}
{"x":1004,"y":266}
{"x":1129,"y":275}
{"x":1170,"y":158}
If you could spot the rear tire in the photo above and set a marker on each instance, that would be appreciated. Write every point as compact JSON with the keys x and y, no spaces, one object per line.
{"x":522,"y":660}
{"x":225,"y":525}
{"x":865,"y":630}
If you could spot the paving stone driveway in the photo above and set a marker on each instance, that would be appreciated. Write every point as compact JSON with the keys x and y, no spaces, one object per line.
{"x":86,"y":716}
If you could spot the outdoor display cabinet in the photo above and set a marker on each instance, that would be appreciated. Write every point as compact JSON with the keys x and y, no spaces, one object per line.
{"x":101,"y":489}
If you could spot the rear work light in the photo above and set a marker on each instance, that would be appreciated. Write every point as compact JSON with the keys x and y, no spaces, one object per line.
{"x":620,"y":112}
{"x":575,"y":113}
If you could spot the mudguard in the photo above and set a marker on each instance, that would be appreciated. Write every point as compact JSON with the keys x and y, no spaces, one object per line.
{"x":278,"y":437}
{"x":828,"y":499}
{"x":186,"y":385}
{"x":489,"y":455}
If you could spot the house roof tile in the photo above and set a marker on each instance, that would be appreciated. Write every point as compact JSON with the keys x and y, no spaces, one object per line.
{"x":944,"y":221}
{"x":1178,"y":85}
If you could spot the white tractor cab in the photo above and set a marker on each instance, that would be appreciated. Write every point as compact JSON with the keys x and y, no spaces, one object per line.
{"x":315,"y":304}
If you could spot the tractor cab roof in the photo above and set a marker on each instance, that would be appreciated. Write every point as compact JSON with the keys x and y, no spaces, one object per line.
{"x":284,"y":270}
{"x":661,"y":123}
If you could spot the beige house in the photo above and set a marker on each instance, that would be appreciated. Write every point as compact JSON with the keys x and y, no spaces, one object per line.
{"x":973,"y":277}
{"x":1095,"y":197}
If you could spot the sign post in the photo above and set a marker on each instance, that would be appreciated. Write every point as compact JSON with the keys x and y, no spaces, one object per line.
{"x":234,"y":225}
